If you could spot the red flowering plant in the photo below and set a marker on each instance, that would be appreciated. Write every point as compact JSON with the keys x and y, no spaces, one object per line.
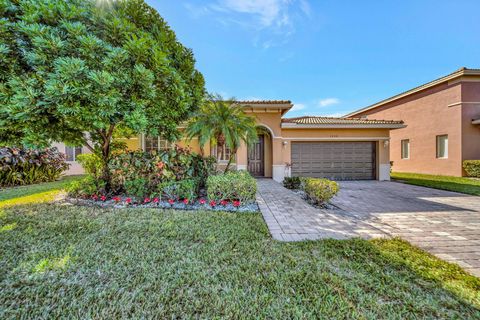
{"x":146,"y":200}
{"x":224,"y":202}
{"x":236,"y":203}
{"x":171,"y":201}
{"x":202,"y":201}
{"x":103,"y":198}
{"x":94,"y":197}
{"x":186,"y":201}
{"x":155,"y":200}
{"x":128,"y":201}
{"x":160,"y":165}
{"x":117,"y":199}
{"x":213,"y":203}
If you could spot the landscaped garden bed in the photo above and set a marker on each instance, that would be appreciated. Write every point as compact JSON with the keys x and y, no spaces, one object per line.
{"x":22,"y":166}
{"x":199,"y":204}
{"x":172,"y":179}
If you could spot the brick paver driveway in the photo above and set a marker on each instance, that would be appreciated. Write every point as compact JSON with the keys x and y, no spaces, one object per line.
{"x":444,"y":223}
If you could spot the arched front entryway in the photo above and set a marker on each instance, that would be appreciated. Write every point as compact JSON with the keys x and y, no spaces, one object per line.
{"x":259,"y":158}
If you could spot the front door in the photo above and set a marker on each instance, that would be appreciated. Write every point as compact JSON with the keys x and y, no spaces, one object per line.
{"x":256,"y":165}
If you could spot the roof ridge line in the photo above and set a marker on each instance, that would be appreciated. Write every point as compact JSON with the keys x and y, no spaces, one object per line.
{"x":457,"y":73}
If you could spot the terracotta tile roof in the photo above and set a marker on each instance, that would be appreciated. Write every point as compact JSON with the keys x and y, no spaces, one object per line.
{"x":460,"y":72}
{"x":264,"y":102}
{"x":311,"y":120}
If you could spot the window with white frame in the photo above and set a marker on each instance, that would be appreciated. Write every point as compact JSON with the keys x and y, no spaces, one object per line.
{"x":442,"y":146}
{"x":405,"y":149}
{"x":155,"y":144}
{"x":216,"y":152}
{"x":71,"y":153}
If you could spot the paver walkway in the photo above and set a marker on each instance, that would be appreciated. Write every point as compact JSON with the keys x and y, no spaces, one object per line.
{"x":444,"y":223}
{"x":290,"y":218}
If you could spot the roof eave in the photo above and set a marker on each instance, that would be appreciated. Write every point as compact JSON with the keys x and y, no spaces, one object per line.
{"x":454,"y":75}
{"x":283,"y":107}
{"x":343,"y":126}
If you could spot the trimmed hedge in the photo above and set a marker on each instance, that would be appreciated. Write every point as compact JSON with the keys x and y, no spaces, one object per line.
{"x":318,"y":190}
{"x":472,"y":167}
{"x":231,"y":186}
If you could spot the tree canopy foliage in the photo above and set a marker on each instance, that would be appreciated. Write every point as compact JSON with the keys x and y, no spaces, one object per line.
{"x":77,"y":72}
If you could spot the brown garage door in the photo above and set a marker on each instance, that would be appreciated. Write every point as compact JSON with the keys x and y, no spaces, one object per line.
{"x":334,"y":160}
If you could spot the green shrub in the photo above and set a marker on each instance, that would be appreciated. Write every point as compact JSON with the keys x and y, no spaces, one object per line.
{"x":136,"y":187}
{"x":85,"y":187}
{"x":178,"y":190}
{"x":472,"y":167}
{"x":91,"y":163}
{"x":318,"y":190}
{"x":176,"y":164}
{"x":292,"y":182}
{"x":233,"y":185}
{"x":27,"y":166}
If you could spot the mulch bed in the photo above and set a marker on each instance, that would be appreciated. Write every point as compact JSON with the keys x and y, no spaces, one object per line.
{"x":126,"y":202}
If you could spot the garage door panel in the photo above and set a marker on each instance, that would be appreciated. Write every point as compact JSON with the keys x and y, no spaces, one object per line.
{"x":334,"y":160}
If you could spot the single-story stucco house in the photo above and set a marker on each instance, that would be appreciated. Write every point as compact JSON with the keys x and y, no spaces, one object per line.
{"x":442,"y":119}
{"x":335,"y":148}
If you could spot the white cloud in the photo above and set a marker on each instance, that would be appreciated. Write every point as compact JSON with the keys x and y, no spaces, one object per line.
{"x":328,"y":102}
{"x":297,"y":107}
{"x":197,"y":11}
{"x":268,"y":12}
{"x":305,"y":7}
{"x":271,"y":21}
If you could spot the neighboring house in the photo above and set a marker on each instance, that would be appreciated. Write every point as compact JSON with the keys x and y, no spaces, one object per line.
{"x":71,"y":154}
{"x":442,"y":119}
{"x":336,"y":148}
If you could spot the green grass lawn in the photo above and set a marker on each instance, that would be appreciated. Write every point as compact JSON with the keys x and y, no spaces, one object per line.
{"x":457,"y":184}
{"x":37,"y":193}
{"x":77,"y":262}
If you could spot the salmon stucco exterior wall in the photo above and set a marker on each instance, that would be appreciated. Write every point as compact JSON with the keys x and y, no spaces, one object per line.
{"x":279,"y":133}
{"x":470,"y":107}
{"x":442,"y":108}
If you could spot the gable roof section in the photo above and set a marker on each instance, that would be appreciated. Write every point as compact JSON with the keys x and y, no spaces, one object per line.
{"x":307,"y":122}
{"x":458,"y":73}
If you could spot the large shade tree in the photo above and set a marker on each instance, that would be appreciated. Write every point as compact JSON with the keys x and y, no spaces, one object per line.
{"x":79,"y":72}
{"x":222,"y":122}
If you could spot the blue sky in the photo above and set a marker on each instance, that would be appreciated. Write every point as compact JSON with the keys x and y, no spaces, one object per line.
{"x":329,"y":57}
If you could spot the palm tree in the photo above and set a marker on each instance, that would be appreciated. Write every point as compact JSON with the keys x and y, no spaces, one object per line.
{"x":222,"y":123}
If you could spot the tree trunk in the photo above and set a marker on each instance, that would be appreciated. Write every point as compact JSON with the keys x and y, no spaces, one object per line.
{"x":232,"y":155}
{"x":202,"y":154}
{"x":106,"y":177}
{"x":220,"y":144}
{"x":106,"y":152}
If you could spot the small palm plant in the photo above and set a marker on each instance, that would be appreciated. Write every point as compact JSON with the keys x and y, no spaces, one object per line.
{"x":222,"y":122}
